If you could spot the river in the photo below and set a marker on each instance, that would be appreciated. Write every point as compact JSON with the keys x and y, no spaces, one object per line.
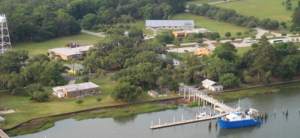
{"x":137,"y":126}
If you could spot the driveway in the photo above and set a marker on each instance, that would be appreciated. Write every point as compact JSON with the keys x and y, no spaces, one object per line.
{"x":67,"y":77}
{"x":92,"y":33}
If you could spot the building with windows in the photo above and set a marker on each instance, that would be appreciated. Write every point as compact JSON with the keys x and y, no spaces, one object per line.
{"x":186,"y":33}
{"x":69,"y":53}
{"x":170,"y":24}
{"x":76,"y":90}
{"x":211,"y":85}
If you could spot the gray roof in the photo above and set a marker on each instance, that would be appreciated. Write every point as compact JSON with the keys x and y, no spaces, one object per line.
{"x":71,"y":51}
{"x":77,"y":87}
{"x":208,"y":82}
{"x":158,"y":23}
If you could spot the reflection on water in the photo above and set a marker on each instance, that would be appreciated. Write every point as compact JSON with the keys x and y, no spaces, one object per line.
{"x":125,"y":120}
{"x":275,"y":126}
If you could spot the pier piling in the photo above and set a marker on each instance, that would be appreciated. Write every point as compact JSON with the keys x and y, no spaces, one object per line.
{"x":209,"y":124}
{"x":287,"y":111}
{"x":275,"y":112}
{"x":283,"y":110}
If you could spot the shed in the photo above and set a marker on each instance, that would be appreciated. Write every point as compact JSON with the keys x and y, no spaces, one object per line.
{"x":211,"y":85}
{"x":3,"y":120}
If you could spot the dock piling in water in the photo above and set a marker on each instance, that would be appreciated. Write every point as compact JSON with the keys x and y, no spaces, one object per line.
{"x":287,"y":111}
{"x":275,"y":111}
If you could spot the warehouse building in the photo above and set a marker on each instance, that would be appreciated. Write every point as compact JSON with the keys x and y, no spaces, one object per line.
{"x":76,"y":90}
{"x":170,"y":24}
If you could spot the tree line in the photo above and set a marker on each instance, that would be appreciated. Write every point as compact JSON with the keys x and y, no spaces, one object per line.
{"x":37,"y":20}
{"x":230,"y":16}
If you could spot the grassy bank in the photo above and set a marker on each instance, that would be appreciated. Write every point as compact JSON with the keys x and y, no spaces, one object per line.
{"x":45,"y":123}
{"x":212,"y":25}
{"x":256,"y":91}
{"x":26,"y":109}
{"x":35,"y":48}
{"x":193,"y":104}
{"x":272,"y":9}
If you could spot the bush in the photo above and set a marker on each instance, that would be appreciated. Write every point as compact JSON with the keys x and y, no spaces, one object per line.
{"x":121,"y":26}
{"x":176,"y":55}
{"x":283,"y":34}
{"x":79,"y":101}
{"x":85,"y":79}
{"x":95,"y":27}
{"x":98,"y":99}
{"x":95,"y":75}
{"x":191,"y":80}
{"x":127,"y":27}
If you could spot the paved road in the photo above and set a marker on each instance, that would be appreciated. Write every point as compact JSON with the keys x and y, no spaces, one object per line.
{"x":3,"y":135}
{"x":71,"y":82}
{"x":67,"y":77}
{"x":212,"y":3}
{"x":211,"y":47}
{"x":92,"y":33}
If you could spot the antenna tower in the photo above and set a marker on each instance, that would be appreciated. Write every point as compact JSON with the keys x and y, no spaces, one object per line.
{"x":5,"y":43}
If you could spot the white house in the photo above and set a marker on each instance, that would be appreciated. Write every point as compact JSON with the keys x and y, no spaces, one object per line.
{"x":211,"y":85}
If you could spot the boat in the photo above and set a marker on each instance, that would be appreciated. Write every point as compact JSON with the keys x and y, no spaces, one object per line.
{"x":202,"y":115}
{"x":238,"y":119}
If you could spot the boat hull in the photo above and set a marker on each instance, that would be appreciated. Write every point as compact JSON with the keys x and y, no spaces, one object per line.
{"x":237,"y":124}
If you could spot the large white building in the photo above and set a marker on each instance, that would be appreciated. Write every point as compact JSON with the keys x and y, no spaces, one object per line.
{"x":211,"y":85}
{"x":170,"y":24}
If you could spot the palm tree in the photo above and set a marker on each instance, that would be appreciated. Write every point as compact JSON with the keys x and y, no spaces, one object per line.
{"x":90,"y":67}
{"x":177,"y":44}
{"x":99,"y":72}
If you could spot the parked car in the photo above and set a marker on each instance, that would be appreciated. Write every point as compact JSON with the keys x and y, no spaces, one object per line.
{"x":186,"y":51}
{"x":201,"y":88}
{"x":91,"y":74}
{"x":198,"y":46}
{"x":197,"y":86}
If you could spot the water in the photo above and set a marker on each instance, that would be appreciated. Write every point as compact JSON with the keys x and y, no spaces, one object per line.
{"x":138,"y":126}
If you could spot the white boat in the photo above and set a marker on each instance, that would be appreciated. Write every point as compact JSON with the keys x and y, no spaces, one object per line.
{"x":202,"y":115}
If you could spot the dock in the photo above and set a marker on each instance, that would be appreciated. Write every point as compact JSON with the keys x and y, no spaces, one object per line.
{"x":218,"y":106}
{"x":187,"y":122}
{"x":2,"y":134}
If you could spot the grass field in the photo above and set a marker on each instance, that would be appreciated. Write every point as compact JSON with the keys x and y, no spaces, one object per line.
{"x":242,"y":50}
{"x":256,"y":91}
{"x":212,"y":25}
{"x":26,"y":109}
{"x":272,"y":9}
{"x":35,"y":48}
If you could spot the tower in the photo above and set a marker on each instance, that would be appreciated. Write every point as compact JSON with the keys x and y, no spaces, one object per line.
{"x":4,"y":35}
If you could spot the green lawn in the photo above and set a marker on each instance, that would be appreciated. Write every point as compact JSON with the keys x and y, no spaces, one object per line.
{"x":272,"y":9}
{"x":242,"y":50}
{"x":35,"y":48}
{"x":26,"y":109}
{"x":212,"y":25}
{"x":200,"y":1}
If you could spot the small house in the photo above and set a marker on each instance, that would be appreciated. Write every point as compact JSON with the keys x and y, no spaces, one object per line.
{"x":211,"y":85}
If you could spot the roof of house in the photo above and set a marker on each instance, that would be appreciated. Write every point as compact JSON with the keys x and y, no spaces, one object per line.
{"x":208,"y":82}
{"x":2,"y":118}
{"x":158,"y":23}
{"x":76,"y":66}
{"x":70,"y":51}
{"x":77,"y":87}
{"x":73,"y":45}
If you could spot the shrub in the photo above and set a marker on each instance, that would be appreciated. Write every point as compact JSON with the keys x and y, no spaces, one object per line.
{"x":85,"y":79}
{"x":95,"y":27}
{"x":79,"y":101}
{"x":98,"y":99}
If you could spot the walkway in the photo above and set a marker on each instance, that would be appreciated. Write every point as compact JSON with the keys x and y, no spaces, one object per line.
{"x":3,"y":135}
{"x":71,"y":82}
{"x":7,"y":112}
{"x":92,"y":33}
{"x":200,"y":97}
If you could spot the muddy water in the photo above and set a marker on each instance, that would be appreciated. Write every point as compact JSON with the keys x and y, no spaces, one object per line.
{"x":137,"y":126}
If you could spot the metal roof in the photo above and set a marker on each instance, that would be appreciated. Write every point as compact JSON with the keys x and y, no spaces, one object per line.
{"x":78,"y":87}
{"x":70,"y":51}
{"x":158,"y":23}
{"x":208,"y":82}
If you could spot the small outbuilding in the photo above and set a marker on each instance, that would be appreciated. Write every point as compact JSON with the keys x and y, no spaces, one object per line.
{"x":211,"y":85}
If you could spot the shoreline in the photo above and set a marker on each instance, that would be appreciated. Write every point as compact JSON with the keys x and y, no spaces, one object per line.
{"x":43,"y":123}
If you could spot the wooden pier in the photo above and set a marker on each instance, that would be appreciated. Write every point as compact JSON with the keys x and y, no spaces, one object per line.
{"x":200,"y":97}
{"x":187,"y":122}
{"x":3,"y":135}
